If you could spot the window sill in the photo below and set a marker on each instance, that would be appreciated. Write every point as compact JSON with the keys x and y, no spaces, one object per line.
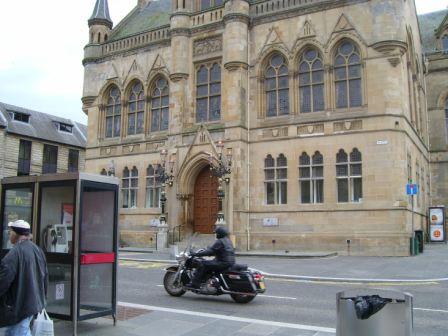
{"x":140,"y":211}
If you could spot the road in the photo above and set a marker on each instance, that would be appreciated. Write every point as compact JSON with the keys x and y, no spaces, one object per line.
{"x":289,"y":301}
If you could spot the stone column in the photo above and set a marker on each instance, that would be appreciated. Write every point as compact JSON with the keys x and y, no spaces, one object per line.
{"x":235,"y":60}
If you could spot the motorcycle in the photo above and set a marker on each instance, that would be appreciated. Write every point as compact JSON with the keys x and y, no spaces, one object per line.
{"x":240,"y":282}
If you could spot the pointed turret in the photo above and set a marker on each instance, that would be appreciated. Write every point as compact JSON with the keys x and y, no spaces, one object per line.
{"x":100,"y":23}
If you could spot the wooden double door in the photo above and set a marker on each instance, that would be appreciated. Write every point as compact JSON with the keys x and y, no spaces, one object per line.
{"x":205,"y":201}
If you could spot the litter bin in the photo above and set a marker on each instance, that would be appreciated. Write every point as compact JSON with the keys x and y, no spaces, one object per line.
{"x":420,"y":240}
{"x":414,"y":248}
{"x":395,"y":318}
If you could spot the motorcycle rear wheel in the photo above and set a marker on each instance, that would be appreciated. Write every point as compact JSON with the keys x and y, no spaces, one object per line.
{"x":241,"y":298}
{"x":171,"y":288}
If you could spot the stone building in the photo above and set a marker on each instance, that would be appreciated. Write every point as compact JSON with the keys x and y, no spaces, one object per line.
{"x":434,"y":27}
{"x":34,"y":143}
{"x":320,"y":104}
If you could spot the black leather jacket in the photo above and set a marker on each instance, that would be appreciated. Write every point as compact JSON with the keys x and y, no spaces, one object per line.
{"x":23,"y":283}
{"x":222,"y":249}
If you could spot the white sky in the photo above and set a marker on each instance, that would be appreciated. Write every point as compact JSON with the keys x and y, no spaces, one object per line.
{"x":42,"y":49}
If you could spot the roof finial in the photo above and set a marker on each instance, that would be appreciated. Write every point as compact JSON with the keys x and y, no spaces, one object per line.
{"x":100,"y":14}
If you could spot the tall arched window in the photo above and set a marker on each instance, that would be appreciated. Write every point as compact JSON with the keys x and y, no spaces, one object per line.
{"x":445,"y":43}
{"x":347,"y":74}
{"x":129,"y":187}
{"x":446,"y":118}
{"x":208,"y":93}
{"x":311,"y":82}
{"x":349,"y":176}
{"x":136,"y":112}
{"x":160,"y":102}
{"x":276,"y":179}
{"x":277,"y":86}
{"x":153,"y":186}
{"x":311,"y":178}
{"x":113,"y":113}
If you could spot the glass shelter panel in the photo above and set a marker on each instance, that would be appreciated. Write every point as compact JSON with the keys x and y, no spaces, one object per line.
{"x":55,"y":237}
{"x":18,"y":204}
{"x":98,"y":251}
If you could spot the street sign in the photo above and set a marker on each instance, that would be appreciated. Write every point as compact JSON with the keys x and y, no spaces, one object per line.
{"x":411,"y":189}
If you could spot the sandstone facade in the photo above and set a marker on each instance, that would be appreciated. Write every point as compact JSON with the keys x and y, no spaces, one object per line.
{"x":382,"y":123}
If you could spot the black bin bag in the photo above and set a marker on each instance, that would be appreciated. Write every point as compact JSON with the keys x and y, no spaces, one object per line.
{"x":366,"y":306}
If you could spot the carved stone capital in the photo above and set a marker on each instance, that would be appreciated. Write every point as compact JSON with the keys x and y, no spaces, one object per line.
{"x":236,"y":17}
{"x":232,"y":66}
{"x":175,"y":77}
{"x":390,"y":47}
{"x":87,"y":102}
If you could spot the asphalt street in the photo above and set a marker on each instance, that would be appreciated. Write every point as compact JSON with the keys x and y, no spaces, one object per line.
{"x":293,"y":301}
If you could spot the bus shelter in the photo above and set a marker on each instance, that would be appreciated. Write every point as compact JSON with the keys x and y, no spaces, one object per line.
{"x":74,"y":219}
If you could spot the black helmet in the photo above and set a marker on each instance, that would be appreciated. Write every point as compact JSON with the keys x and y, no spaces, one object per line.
{"x":221,"y":232}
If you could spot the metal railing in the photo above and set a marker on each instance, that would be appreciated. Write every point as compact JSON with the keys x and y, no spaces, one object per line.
{"x":175,"y":234}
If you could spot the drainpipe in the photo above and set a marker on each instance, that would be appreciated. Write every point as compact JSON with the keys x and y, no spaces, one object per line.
{"x":248,"y":138}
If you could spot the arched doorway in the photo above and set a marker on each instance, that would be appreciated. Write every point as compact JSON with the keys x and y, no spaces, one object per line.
{"x":205,"y":201}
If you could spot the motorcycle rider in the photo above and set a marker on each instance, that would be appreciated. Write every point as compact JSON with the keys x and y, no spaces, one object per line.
{"x":224,"y":253}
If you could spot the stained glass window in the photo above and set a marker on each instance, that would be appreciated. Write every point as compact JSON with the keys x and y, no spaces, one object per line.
{"x":347,"y":74}
{"x":113,"y":113}
{"x":208,"y":93}
{"x":311,"y":82}
{"x":136,"y":109}
{"x":160,"y":105}
{"x":277,"y":86}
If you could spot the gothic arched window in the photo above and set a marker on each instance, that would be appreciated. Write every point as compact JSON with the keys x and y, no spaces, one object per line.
{"x":349,"y":176}
{"x":136,"y":114}
{"x":129,"y":187}
{"x":153,"y":186}
{"x":446,"y":118}
{"x":208,"y":93}
{"x":311,"y":81}
{"x":445,"y":43}
{"x":160,"y":101}
{"x":277,"y":86}
{"x":311,"y":178}
{"x":113,"y":113}
{"x":276,"y":179}
{"x":347,"y":75}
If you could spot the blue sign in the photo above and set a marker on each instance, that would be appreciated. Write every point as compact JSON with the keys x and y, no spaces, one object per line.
{"x":411,"y":189}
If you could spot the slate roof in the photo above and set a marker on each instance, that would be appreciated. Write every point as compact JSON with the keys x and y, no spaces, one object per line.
{"x":155,"y":14}
{"x":428,"y":26}
{"x":101,"y":11}
{"x":42,"y":126}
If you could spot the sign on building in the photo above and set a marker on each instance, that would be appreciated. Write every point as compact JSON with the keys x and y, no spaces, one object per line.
{"x":437,"y":224}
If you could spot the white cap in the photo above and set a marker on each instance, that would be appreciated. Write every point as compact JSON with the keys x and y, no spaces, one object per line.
{"x":19,"y":224}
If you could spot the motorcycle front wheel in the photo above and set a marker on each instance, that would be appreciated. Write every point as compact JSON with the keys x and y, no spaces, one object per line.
{"x":172,"y":288}
{"x":241,"y":298}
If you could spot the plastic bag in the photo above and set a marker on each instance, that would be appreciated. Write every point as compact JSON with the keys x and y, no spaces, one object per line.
{"x":366,"y":306}
{"x":42,"y":325}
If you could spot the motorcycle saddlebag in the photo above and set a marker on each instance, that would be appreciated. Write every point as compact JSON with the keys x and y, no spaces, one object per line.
{"x":240,"y":282}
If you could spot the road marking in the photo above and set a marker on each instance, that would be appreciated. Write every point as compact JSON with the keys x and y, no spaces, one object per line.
{"x":278,"y":297}
{"x":140,"y":265}
{"x":432,"y":310}
{"x":355,"y":283}
{"x":231,"y":318}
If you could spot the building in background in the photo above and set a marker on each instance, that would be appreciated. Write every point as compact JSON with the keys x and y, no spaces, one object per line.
{"x":434,"y":27}
{"x":320,"y":104}
{"x":34,"y":143}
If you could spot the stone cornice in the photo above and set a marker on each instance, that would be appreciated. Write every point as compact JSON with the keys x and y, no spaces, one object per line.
{"x":180,"y":32}
{"x":87,"y":102}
